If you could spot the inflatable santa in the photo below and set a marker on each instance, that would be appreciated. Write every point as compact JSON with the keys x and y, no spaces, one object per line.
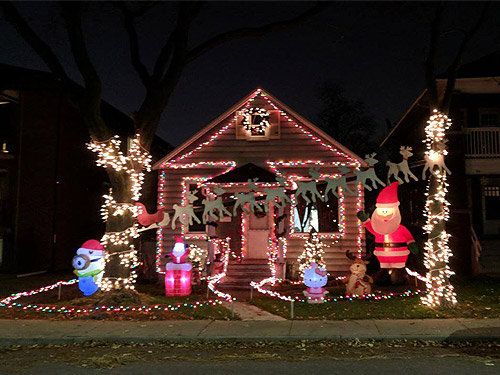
{"x":393,"y":242}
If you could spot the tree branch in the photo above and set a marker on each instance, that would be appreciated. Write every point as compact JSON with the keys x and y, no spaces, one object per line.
{"x":91,"y":104}
{"x":457,"y":62}
{"x":186,"y":13}
{"x":253,"y":31}
{"x":128,"y":20}
{"x":430,"y":63}
{"x":41,"y":48}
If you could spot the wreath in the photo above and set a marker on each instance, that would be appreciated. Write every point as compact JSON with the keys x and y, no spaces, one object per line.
{"x":255,"y":120}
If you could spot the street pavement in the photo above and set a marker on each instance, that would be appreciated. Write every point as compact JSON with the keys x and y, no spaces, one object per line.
{"x":408,"y":366}
{"x":29,"y":332}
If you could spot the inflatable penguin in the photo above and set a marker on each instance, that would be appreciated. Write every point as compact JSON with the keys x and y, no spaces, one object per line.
{"x":89,"y":266}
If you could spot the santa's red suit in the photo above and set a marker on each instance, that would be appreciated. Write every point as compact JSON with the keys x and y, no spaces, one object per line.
{"x":391,"y":238}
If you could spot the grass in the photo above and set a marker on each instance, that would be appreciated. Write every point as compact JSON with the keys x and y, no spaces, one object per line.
{"x":150,"y":294}
{"x":477,"y":298}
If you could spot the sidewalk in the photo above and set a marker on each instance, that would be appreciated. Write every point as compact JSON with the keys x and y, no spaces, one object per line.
{"x":30,"y":332}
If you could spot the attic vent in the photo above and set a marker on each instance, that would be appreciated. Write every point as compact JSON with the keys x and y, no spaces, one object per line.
{"x":257,"y":124}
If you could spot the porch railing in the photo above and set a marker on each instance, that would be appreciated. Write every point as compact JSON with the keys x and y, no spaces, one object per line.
{"x":482,"y":142}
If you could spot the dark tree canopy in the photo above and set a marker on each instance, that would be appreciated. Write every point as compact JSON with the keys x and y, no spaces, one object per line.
{"x":346,"y":120}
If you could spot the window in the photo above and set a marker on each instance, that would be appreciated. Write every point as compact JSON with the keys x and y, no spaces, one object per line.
{"x":197,"y":203}
{"x":489,"y":117}
{"x":492,"y":202}
{"x":322,"y":216}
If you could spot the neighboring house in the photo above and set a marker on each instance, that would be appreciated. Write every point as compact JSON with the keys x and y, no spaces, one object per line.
{"x":50,"y":187}
{"x":474,"y":159}
{"x":234,"y":148}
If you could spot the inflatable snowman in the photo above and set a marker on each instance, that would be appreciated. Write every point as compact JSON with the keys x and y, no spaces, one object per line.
{"x":315,"y":279}
{"x":89,"y":266}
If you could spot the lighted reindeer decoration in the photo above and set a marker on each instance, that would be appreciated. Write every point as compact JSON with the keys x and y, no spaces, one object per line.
{"x":332,"y":184}
{"x":369,"y":174}
{"x":395,"y":168}
{"x":359,"y":283}
{"x":436,"y":158}
{"x":309,"y":187}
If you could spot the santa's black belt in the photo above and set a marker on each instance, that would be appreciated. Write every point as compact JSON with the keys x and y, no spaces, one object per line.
{"x":390,"y":244}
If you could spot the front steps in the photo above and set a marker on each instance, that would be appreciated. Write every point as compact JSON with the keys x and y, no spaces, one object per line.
{"x":239,"y":275}
{"x":490,"y":256}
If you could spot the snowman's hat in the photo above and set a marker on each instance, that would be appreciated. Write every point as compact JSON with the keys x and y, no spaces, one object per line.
{"x":388,"y":197}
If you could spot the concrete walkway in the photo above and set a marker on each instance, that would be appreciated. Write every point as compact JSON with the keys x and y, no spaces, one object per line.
{"x":29,"y":332}
{"x":246,"y":311}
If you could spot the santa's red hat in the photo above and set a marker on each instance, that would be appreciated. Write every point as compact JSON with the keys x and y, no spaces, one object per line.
{"x":388,"y":197}
{"x":95,"y":246}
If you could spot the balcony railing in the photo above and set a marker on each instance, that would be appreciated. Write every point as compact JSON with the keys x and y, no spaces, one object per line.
{"x":482,"y":142}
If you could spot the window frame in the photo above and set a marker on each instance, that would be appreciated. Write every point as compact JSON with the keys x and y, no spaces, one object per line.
{"x":341,"y":220}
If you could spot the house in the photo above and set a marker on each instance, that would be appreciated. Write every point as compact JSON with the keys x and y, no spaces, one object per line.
{"x":474,"y":159}
{"x":252,"y":146}
{"x":50,"y":187}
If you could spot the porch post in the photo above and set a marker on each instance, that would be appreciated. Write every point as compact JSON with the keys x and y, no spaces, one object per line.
{"x":280,"y":229}
{"x":210,"y":229}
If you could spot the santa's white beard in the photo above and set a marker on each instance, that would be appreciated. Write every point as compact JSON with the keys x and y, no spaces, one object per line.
{"x":386,"y":227}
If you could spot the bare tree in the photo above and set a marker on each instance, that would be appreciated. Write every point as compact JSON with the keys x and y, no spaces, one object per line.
{"x":173,"y":58}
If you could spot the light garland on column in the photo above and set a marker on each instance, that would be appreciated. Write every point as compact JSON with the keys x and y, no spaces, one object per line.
{"x":214,"y":280}
{"x":360,"y":226}
{"x":134,"y":163}
{"x":437,"y":252}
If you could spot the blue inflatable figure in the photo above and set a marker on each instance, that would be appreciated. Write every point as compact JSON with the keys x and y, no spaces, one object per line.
{"x":89,"y":266}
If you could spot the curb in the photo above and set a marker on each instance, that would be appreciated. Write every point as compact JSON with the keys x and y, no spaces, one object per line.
{"x":27,"y":341}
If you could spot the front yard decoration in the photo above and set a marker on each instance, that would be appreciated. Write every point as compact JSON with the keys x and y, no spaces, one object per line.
{"x":309,"y":187}
{"x":12,"y":302}
{"x":243,"y":199}
{"x":198,"y":258}
{"x":185,"y":214}
{"x":210,"y":206}
{"x":396,"y":168}
{"x":358,"y":283}
{"x":89,"y":265}
{"x":313,"y":253}
{"x":332,"y":184}
{"x":121,"y":254}
{"x":178,"y":272}
{"x":434,"y":156}
{"x":437,"y":252}
{"x":392,"y":240}
{"x":212,"y":281}
{"x":315,"y":278}
{"x":151,"y":221}
{"x":369,"y":174}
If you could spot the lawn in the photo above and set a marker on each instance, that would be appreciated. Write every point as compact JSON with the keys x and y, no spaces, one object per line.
{"x":150,"y":295}
{"x":477,"y":298}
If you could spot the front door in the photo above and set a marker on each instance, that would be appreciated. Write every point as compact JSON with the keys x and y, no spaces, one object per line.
{"x":257,"y":233}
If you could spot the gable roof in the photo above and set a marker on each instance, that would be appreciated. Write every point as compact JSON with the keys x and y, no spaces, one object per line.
{"x":318,"y":134}
{"x":484,"y":67}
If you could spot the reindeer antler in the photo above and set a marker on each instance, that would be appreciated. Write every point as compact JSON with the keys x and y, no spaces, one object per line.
{"x":350,"y":255}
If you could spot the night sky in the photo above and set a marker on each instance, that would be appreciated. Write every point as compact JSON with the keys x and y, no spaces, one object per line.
{"x":374,"y":50}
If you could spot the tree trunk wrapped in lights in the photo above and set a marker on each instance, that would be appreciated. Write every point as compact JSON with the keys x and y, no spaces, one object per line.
{"x":440,"y":293}
{"x":126,"y":172}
